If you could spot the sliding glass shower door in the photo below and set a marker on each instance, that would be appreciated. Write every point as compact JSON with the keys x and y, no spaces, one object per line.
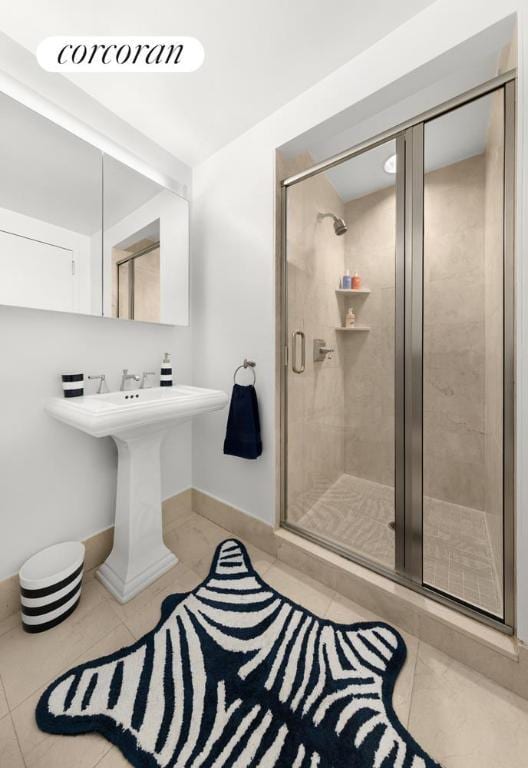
{"x":397,"y":388}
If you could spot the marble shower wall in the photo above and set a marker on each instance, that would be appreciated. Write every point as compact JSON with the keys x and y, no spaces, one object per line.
{"x":368,"y":358}
{"x":315,"y":398}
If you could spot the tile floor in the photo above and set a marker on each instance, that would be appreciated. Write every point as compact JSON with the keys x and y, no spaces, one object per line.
{"x":461,"y":718}
{"x":457,"y":551}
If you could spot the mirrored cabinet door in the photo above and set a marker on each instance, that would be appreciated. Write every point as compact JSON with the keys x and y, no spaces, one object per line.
{"x":82,"y":232}
{"x":145,"y":248}
{"x":50,"y":214}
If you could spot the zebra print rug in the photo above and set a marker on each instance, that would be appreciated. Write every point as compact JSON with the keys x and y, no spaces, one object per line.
{"x":235,"y":674}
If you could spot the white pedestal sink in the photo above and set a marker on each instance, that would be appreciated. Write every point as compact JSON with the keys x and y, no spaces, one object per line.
{"x":138,"y":421}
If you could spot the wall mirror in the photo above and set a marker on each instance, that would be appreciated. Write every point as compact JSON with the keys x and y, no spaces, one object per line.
{"x":81,"y":232}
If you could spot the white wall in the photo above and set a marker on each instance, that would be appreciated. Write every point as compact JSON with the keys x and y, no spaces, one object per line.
{"x":233,"y":310}
{"x":55,"y":482}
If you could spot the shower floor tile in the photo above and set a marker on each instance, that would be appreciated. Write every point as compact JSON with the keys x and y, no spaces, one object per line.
{"x":356,"y":513}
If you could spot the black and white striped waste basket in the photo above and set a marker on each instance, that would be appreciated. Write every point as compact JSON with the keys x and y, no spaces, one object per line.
{"x":50,"y":585}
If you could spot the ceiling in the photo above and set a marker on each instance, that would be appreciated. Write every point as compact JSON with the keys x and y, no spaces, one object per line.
{"x":258,"y":56}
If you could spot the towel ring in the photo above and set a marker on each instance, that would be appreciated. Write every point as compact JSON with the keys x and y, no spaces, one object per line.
{"x":247,"y":364}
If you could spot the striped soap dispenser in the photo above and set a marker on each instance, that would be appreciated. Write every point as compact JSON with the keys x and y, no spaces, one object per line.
{"x":166,"y":371}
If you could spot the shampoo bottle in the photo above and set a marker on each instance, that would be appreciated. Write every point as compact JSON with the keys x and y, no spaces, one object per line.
{"x":350,"y":319}
{"x":166,"y":371}
{"x":346,"y":282}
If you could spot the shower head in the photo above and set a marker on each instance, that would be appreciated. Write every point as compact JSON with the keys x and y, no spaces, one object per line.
{"x":340,"y":226}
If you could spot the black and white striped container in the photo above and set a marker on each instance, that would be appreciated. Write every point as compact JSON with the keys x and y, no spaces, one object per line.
{"x":166,"y":371}
{"x":50,"y":585}
{"x":73,"y":384}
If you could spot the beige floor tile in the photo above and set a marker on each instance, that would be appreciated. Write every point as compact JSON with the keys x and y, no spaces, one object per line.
{"x":113,"y":759}
{"x":143,"y":612}
{"x":6,"y":625}
{"x":82,"y":751}
{"x":463,"y":719}
{"x":195,"y":543}
{"x":28,"y":661}
{"x":301,"y":589}
{"x":10,"y":755}
{"x":344,"y":611}
{"x":4,"y":709}
{"x":48,"y":751}
{"x":460,"y":717}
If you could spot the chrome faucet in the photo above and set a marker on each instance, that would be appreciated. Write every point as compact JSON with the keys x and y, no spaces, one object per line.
{"x":144,"y":377}
{"x":102,"y":382}
{"x":126,"y":376}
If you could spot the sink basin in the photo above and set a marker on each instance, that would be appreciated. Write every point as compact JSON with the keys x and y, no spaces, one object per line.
{"x":137,"y":420}
{"x":120,"y":413}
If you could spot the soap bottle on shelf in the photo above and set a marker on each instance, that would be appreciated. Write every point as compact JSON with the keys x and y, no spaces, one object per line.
{"x":356,"y":281}
{"x":350,"y":319}
{"x":346,"y":282}
{"x":166,"y":371}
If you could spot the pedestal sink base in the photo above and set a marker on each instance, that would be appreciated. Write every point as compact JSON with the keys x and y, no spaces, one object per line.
{"x":125,"y":591}
{"x":139,"y":555}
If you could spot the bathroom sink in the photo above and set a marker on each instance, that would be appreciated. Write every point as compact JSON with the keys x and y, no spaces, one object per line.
{"x":138,"y":421}
{"x":134,"y":411}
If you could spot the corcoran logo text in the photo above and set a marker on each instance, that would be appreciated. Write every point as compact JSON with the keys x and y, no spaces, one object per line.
{"x":120,"y":54}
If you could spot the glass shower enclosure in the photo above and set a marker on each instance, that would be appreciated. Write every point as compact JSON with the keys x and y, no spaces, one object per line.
{"x":396,"y":349}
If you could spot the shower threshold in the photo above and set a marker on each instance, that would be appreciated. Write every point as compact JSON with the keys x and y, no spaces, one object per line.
{"x":358,"y":514}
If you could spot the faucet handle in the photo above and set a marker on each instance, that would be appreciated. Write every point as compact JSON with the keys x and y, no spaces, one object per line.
{"x":144,"y":378}
{"x":101,"y":377}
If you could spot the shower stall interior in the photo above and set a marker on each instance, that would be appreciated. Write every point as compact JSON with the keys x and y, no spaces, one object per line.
{"x":397,"y":424}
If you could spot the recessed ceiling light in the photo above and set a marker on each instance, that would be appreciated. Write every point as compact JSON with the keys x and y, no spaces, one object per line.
{"x":389,"y":166}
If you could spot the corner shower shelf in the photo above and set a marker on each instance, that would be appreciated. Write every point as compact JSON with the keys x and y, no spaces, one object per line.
{"x":352,"y":291}
{"x":354,"y":329}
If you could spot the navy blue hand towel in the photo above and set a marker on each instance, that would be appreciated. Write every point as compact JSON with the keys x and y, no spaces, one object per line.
{"x":243,"y":424}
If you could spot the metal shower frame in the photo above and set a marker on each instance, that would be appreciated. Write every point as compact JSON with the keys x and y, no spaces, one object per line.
{"x":409,"y":350}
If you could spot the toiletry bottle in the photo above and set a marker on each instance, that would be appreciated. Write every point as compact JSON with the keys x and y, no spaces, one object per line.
{"x":166,"y":371}
{"x":350,"y":319}
{"x":356,"y":281}
{"x":347,"y":280}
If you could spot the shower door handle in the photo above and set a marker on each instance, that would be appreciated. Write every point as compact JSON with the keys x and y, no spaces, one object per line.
{"x":302,"y":367}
